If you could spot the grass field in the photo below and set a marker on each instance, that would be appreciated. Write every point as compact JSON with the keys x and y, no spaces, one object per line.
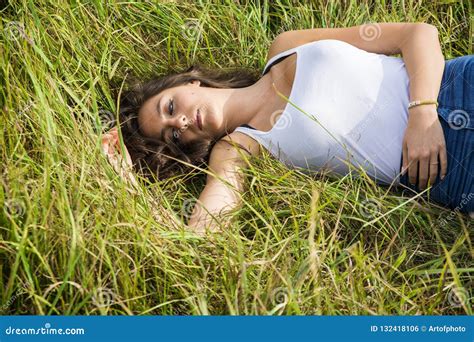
{"x":76,"y":239}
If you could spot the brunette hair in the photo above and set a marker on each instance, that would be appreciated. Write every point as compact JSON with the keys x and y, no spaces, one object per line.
{"x":156,"y":159}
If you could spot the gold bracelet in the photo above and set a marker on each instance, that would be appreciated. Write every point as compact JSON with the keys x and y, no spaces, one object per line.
{"x":419,"y":103}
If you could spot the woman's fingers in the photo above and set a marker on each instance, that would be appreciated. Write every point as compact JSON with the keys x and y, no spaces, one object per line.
{"x":105,"y":143}
{"x":108,"y":144}
{"x":127,"y":159}
{"x":433,"y":167}
{"x":424,"y":165}
{"x":112,"y":149}
{"x":409,"y":163}
{"x":114,"y":142}
{"x":443,"y":159}
{"x":412,"y":168}
{"x":404,"y":158}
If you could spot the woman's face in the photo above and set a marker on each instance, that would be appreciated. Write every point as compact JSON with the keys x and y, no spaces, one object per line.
{"x":177,"y":114}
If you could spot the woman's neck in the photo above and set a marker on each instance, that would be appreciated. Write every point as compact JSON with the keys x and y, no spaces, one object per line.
{"x":241,"y":105}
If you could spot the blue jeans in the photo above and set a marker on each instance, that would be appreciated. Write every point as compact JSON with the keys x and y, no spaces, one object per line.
{"x":456,"y":115}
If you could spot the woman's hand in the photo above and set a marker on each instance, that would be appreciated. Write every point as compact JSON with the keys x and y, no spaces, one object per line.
{"x":422,"y":144}
{"x":111,"y":148}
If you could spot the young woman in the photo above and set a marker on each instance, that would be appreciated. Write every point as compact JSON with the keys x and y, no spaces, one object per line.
{"x":330,"y":99}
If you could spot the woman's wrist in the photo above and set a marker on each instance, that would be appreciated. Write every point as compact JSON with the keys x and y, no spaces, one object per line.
{"x":422,"y":103}
{"x":423,"y":110}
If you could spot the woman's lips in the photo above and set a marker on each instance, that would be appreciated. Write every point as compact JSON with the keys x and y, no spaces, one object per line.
{"x":198,"y":119}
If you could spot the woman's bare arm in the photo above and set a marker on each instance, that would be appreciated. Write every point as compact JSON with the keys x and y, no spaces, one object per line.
{"x":381,"y":38}
{"x":224,"y":186}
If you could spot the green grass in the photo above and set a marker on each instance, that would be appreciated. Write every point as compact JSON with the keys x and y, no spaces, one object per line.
{"x":76,"y":239}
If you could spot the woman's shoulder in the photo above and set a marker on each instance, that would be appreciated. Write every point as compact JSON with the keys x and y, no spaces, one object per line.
{"x":280,"y":44}
{"x":288,"y":40}
{"x":242,"y":140}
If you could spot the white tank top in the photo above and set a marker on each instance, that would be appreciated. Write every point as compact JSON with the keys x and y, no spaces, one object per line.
{"x":356,"y":112}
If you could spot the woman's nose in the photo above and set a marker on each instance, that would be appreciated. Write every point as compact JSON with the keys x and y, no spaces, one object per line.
{"x":180,"y":122}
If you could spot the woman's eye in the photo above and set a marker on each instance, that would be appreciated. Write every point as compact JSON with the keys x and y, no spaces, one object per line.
{"x":174,"y":133}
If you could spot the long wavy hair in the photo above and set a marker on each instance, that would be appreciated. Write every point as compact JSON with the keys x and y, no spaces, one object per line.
{"x":156,"y":159}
